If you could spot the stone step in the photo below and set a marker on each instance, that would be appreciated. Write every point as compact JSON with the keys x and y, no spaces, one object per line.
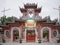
{"x":15,"y":43}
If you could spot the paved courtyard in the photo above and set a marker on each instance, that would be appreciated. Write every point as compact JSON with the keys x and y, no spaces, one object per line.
{"x":15,"y":43}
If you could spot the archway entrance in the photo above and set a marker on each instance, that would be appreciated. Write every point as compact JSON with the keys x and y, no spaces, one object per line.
{"x":15,"y":35}
{"x":45,"y":35}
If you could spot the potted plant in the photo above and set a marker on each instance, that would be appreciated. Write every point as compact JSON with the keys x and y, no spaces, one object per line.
{"x":3,"y":40}
{"x":58,"y":41}
{"x":39,"y":41}
{"x":20,"y":40}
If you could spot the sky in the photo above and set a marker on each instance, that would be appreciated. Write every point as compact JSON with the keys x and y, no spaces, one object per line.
{"x":12,"y":7}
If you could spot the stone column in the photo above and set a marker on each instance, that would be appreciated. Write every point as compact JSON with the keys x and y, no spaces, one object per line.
{"x":36,"y":35}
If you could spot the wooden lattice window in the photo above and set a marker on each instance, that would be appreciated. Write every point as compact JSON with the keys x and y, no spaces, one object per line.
{"x":8,"y":34}
{"x":54,"y":33}
{"x":59,"y":31}
{"x":1,"y":31}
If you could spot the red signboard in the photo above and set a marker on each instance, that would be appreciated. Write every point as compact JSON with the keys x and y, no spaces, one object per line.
{"x":30,"y":25}
{"x":30,"y":39}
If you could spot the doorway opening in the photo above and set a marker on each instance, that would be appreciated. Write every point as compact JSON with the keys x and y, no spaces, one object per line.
{"x":30,"y":36}
{"x":15,"y":35}
{"x":45,"y":35}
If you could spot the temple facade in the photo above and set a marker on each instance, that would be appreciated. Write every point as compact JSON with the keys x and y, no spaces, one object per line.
{"x":30,"y":27}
